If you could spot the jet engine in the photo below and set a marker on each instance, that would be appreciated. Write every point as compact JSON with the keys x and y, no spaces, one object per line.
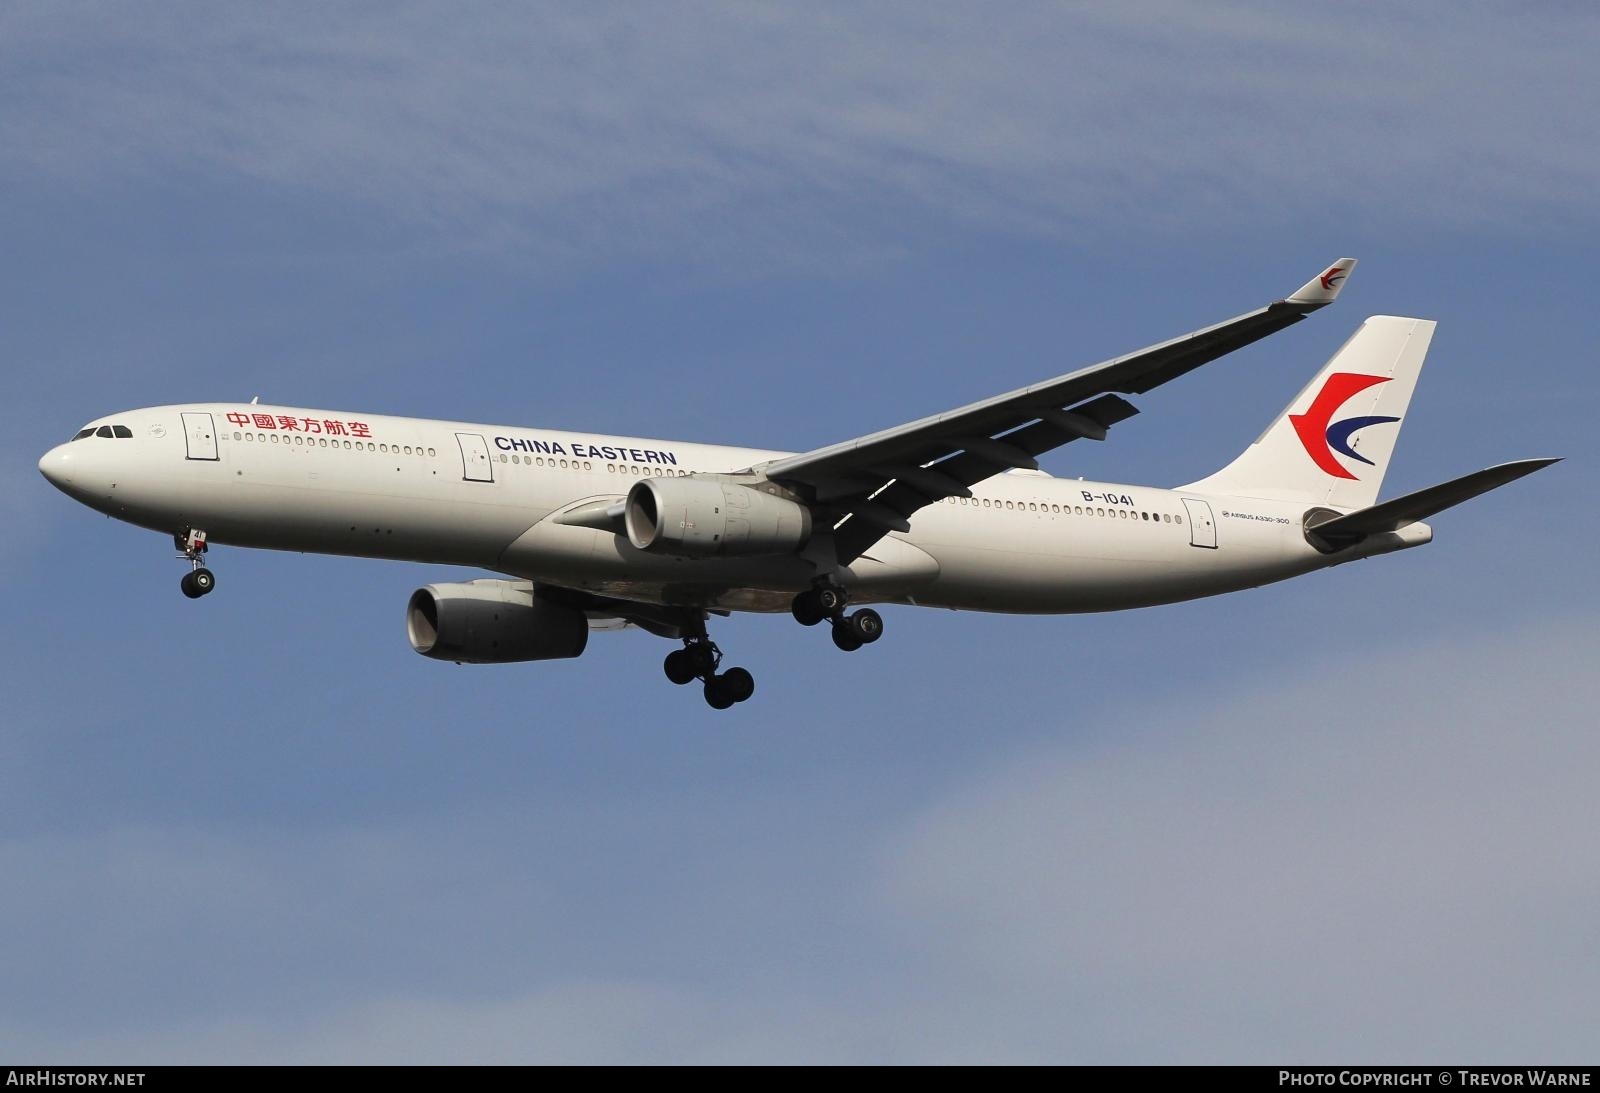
{"x":702,"y":518}
{"x":492,"y":622}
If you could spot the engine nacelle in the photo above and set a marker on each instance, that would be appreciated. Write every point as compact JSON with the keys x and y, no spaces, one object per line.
{"x":492,"y":622}
{"x":702,"y":518}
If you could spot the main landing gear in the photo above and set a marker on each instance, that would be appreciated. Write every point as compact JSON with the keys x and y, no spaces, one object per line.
{"x":827,"y":601}
{"x":699,"y":659}
{"x":199,"y":580}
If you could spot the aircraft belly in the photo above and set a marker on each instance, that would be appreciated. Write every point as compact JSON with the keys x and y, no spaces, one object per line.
{"x":422,"y":520}
{"x":892,"y":568}
{"x":1053,"y":573}
{"x":607,"y":564}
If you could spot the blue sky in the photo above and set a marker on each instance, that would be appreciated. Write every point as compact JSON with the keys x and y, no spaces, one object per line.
{"x":1348,"y":817}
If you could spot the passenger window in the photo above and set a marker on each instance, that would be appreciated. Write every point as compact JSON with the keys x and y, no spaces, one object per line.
{"x":1177,"y":519}
{"x":431,"y":453}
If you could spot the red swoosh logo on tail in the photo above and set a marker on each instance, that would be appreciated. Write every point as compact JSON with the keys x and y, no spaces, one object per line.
{"x":1312,"y":426}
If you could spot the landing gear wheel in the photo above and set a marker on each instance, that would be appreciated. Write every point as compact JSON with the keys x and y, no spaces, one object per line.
{"x":702,"y":657}
{"x":845,"y":637}
{"x":867,"y":625}
{"x":806,"y":610}
{"x":830,"y":600}
{"x":719,"y":694}
{"x":679,"y":667}
{"x":191,"y":546}
{"x":197,"y":583}
{"x":740,"y":683}
{"x":698,"y":659}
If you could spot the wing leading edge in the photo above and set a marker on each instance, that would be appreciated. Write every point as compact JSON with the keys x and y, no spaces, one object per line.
{"x":873,"y":485}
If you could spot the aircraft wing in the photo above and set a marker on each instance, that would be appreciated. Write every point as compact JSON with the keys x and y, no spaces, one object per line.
{"x":873,"y":484}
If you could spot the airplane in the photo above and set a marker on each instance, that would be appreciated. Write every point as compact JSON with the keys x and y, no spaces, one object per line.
{"x":599,"y":532}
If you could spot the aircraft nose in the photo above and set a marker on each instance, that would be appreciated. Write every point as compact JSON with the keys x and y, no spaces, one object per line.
{"x":56,"y":466}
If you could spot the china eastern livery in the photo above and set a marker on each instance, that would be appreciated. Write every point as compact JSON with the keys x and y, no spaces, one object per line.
{"x":595,"y":531}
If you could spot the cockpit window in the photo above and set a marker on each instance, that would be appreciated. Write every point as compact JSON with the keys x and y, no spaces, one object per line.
{"x":121,"y":432}
{"x":84,"y":432}
{"x":104,"y":430}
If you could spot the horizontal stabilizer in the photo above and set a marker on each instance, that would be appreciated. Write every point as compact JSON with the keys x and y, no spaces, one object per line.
{"x":1396,"y":514}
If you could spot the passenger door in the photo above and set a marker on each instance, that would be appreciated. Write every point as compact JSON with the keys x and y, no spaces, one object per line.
{"x":1202,"y":529}
{"x":200,"y":434}
{"x":475,"y":463}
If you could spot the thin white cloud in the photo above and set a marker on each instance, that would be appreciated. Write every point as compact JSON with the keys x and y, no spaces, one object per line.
{"x":1386,"y":859}
{"x":1389,"y":856}
{"x":723,"y":129}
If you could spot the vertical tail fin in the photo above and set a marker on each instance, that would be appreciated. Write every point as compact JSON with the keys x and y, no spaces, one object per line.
{"x":1332,"y":444}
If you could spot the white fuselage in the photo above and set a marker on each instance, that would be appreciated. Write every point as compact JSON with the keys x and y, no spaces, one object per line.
{"x":487,"y":496}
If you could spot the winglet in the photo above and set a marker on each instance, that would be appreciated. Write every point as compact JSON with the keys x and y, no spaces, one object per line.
{"x":1324,"y":288}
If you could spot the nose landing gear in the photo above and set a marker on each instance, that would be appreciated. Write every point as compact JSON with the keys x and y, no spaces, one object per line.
{"x":199,"y":581}
{"x":827,"y":601}
{"x":699,"y":659}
